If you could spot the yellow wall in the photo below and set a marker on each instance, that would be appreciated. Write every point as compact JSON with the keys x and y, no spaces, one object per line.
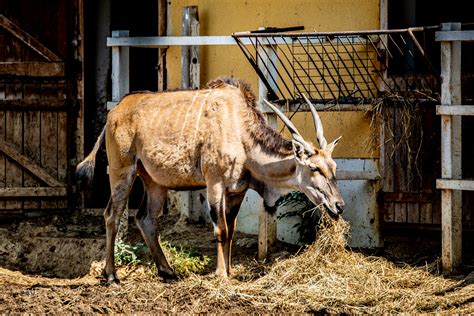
{"x":357,"y":135}
{"x":225,"y":17}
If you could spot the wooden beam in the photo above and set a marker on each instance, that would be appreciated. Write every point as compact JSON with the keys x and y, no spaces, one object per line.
{"x":303,"y":107}
{"x":451,"y":201}
{"x":454,"y":36}
{"x":111,"y":105}
{"x":29,"y":165}
{"x":446,"y":146}
{"x":162,"y":31}
{"x":455,"y":109}
{"x":29,"y":40}
{"x":190,"y":57}
{"x":120,"y":69}
{"x":407,"y":197}
{"x":32,"y":192}
{"x":357,"y":175}
{"x":33,"y":104}
{"x":267,"y":231}
{"x":120,"y":87}
{"x":78,"y":87}
{"x":383,"y":13}
{"x":461,"y":185}
{"x":192,"y":207}
{"x":267,"y":224}
{"x":32,"y":69}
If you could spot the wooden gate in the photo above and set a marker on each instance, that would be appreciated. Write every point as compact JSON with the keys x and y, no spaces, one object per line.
{"x":411,"y":152}
{"x":40,"y":72}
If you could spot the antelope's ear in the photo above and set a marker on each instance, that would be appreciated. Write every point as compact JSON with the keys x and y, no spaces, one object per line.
{"x":330,"y":147}
{"x":301,"y":154}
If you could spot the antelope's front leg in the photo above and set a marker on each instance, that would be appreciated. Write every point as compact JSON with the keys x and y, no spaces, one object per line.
{"x":232,"y":209}
{"x":216,"y":198}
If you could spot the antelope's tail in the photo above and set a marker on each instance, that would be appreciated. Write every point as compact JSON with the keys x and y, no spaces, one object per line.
{"x":85,"y":169}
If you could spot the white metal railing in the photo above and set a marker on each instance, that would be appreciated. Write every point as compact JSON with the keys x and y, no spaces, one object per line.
{"x":451,"y":183}
{"x":165,"y":41}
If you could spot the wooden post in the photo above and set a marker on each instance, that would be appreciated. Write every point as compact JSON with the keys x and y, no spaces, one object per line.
{"x":451,"y":201}
{"x":120,"y":87}
{"x":267,"y":225}
{"x":191,"y":204}
{"x":120,"y":68}
{"x":162,"y":31}
{"x":190,"y":62}
{"x":383,"y":26}
{"x":79,"y":135}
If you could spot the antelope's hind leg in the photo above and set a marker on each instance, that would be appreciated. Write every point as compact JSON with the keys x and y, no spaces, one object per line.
{"x":147,"y":220}
{"x":112,"y":214}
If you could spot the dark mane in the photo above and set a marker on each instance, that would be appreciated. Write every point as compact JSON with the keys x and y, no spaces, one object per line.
{"x":266,"y":136}
{"x":259,"y":129}
{"x":238,"y":83}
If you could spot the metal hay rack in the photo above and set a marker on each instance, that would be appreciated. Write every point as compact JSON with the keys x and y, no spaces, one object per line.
{"x":343,"y":67}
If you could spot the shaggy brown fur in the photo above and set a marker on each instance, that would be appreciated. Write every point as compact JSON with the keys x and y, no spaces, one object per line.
{"x":260,"y":131}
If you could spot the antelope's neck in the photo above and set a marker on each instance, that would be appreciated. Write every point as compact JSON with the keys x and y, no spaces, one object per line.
{"x":272,"y":168}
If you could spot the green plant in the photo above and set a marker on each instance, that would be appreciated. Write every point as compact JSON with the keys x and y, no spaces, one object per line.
{"x":185,"y":261}
{"x":306,"y":211}
{"x":127,"y":254}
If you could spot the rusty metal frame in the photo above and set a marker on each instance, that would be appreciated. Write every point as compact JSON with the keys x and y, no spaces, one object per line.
{"x":337,"y":67}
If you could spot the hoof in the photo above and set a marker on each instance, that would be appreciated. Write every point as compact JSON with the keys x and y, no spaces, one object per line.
{"x":221,"y":274}
{"x":168,"y":276}
{"x":112,"y":279}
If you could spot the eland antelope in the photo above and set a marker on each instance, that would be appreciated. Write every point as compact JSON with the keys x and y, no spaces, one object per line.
{"x":212,"y":138}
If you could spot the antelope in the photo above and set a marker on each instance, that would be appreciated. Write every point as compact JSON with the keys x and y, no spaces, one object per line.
{"x":214,"y":138}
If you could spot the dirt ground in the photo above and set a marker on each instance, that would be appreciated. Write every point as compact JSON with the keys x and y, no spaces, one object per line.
{"x":142,"y":291}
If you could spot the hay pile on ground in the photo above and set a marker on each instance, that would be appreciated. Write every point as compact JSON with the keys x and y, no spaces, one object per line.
{"x":328,"y":277}
{"x":325,"y":277}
